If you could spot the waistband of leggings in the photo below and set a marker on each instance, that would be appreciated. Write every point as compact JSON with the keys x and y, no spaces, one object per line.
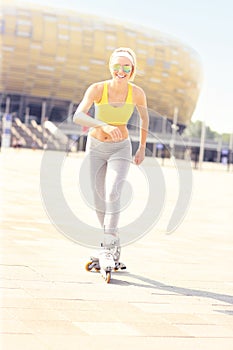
{"x":95,"y":142}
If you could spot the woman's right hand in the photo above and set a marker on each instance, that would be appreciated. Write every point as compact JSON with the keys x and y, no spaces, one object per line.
{"x":113,"y":131}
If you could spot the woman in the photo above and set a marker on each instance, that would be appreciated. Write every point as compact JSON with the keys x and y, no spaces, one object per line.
{"x":108,"y":144}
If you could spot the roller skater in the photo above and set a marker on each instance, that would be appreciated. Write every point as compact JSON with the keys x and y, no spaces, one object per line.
{"x":109,"y":149}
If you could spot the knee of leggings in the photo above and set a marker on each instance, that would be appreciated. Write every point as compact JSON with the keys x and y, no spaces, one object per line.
{"x":113,"y":196}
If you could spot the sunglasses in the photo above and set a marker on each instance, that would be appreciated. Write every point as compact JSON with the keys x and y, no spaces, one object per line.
{"x":126,"y":68}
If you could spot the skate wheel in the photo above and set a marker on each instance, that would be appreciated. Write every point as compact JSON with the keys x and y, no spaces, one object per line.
{"x":87,"y":266}
{"x":108,"y":277}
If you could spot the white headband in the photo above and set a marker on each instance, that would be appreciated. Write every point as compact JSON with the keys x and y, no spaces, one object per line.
{"x":124,"y":54}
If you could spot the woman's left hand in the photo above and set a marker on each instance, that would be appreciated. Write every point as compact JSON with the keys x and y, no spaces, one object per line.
{"x":140,"y":155}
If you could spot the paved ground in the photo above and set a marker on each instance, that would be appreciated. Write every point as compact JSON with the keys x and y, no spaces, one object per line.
{"x":177,"y":292}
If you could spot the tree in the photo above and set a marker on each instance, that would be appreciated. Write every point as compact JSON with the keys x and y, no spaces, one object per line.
{"x":194,"y":130}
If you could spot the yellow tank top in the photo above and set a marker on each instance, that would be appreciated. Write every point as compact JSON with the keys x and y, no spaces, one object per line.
{"x":114,"y":115}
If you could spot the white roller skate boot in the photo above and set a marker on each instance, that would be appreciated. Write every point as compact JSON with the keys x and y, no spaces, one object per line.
{"x":112,"y":242}
{"x":116,"y":252}
{"x":106,"y":258}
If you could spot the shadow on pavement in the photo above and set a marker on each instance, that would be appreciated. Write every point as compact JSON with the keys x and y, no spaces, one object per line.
{"x":149,"y":283}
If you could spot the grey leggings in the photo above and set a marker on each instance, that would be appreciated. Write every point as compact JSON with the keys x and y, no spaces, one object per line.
{"x":108,"y":164}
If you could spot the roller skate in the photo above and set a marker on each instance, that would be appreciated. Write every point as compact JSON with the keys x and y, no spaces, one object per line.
{"x":107,"y":260}
{"x":107,"y":264}
{"x":104,"y":263}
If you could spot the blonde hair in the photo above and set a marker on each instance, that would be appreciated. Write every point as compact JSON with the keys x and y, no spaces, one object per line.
{"x":126,"y":52}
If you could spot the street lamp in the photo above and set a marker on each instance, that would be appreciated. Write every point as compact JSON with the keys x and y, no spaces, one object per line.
{"x":230,"y":151}
{"x":174,"y":130}
{"x":6,"y":125}
{"x":202,"y":144}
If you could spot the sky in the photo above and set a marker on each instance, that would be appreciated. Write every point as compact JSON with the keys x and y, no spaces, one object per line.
{"x":204,"y":25}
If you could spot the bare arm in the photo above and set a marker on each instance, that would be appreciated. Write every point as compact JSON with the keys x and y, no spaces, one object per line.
{"x":141,"y":104}
{"x":81,"y":117}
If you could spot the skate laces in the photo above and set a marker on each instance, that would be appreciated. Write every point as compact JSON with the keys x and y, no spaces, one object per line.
{"x":112,"y":244}
{"x":106,"y":254}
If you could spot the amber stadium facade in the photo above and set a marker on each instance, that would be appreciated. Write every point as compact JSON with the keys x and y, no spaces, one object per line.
{"x":50,"y":56}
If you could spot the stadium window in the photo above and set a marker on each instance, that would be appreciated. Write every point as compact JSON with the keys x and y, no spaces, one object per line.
{"x":142,"y":42}
{"x":180,"y":91}
{"x":63,"y":26}
{"x":35,"y":46}
{"x":166,"y":65}
{"x":76,"y":29}
{"x":63,"y":37}
{"x":50,"y":18}
{"x":110,"y":37}
{"x":8,"y":48}
{"x":45,"y":68}
{"x":84,"y":68}
{"x":23,"y":13}
{"x":2,"y":26}
{"x":130,"y":34}
{"x":97,"y":62}
{"x":155,"y":80}
{"x":150,"y":61}
{"x":60,"y":59}
{"x":174,"y":52}
{"x":23,"y":28}
{"x":110,"y":48}
{"x":140,"y":72}
{"x":141,"y":52}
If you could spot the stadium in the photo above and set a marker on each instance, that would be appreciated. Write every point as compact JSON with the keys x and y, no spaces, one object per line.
{"x":50,"y":56}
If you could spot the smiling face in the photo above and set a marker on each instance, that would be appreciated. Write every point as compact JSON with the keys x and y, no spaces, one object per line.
{"x":121,"y":68}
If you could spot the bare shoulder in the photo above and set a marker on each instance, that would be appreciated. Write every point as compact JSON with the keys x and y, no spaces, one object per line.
{"x":139,"y":95}
{"x":96,"y":90}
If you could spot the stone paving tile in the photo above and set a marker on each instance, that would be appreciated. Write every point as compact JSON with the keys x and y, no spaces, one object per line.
{"x":13,"y":326}
{"x":15,"y":302}
{"x":13,"y":292}
{"x":5,"y":314}
{"x":219,"y":318}
{"x":207,"y":331}
{"x":190,"y":319}
{"x":173,"y":308}
{"x":58,"y":326}
{"x":134,"y":343}
{"x":108,"y":328}
{"x":37,"y":314}
{"x":162,"y":329}
{"x":22,"y":341}
{"x":215,"y":343}
{"x":18,"y":272}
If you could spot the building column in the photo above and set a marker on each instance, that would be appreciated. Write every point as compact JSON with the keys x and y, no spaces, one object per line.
{"x":43,"y":112}
{"x":69,"y":119}
{"x":6,"y":125}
